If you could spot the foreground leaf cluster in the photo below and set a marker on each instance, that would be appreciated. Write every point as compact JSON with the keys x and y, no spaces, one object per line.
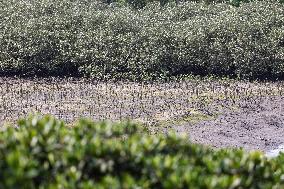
{"x":43,"y":153}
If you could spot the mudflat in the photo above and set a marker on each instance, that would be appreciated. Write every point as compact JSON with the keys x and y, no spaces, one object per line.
{"x":258,"y":124}
{"x":218,"y":113}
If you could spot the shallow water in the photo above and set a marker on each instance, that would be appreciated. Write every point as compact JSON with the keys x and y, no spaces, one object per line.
{"x":275,"y":152}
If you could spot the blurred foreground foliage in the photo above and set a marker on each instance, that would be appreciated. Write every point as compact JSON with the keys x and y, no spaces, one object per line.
{"x":101,"y":41}
{"x":43,"y":153}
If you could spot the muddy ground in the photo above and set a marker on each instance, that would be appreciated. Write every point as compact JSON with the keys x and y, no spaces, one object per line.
{"x":257,"y":124}
{"x":221,"y":113}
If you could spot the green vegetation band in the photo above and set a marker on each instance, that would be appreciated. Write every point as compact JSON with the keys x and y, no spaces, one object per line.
{"x":93,"y":39}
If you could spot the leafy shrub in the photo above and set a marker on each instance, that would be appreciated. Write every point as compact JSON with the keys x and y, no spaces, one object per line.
{"x":116,"y":42}
{"x":43,"y":153}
